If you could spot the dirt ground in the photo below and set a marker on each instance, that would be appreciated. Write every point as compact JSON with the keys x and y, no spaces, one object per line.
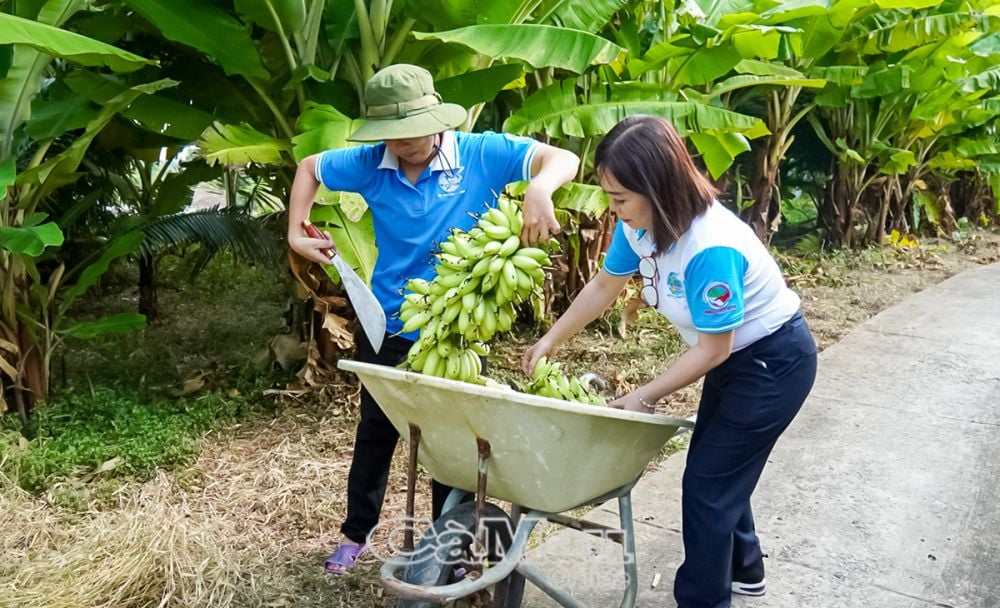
{"x":266,"y":498}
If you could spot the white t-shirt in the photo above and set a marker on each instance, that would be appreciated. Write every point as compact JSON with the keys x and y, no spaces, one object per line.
{"x":717,"y":277}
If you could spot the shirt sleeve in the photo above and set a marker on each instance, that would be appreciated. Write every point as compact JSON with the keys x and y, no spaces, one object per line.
{"x":621,"y":260}
{"x":508,"y":157}
{"x":345,"y":168}
{"x":714,"y":289}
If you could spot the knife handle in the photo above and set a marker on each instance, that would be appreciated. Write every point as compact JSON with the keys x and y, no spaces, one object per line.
{"x":314,"y":232}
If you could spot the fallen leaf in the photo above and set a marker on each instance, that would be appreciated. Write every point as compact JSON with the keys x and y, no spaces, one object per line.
{"x":110,"y":465}
{"x":336,"y":326}
{"x":192,"y":385}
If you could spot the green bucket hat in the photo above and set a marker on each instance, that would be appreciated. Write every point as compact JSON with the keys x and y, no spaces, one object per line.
{"x":402,"y":104}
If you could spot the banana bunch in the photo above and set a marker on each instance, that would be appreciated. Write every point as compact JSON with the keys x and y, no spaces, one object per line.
{"x":549,"y":380}
{"x":480,"y":276}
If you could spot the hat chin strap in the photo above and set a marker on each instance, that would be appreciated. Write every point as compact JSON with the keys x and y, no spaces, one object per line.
{"x":404,"y":109}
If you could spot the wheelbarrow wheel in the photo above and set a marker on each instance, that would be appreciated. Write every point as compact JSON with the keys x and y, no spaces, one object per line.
{"x":447,"y":547}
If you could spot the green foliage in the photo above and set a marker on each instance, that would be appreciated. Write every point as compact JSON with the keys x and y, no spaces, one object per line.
{"x":123,"y":395}
{"x":78,"y":433}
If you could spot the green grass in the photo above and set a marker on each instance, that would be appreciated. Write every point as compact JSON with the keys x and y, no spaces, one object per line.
{"x":78,"y":433}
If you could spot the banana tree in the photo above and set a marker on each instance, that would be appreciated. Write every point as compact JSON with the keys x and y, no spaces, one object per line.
{"x":32,"y":317}
{"x":887,"y":117}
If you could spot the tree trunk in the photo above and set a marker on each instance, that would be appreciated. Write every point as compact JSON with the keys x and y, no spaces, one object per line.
{"x":148,"y":304}
{"x":762,"y":215}
{"x":34,"y":381}
{"x":835,"y":206}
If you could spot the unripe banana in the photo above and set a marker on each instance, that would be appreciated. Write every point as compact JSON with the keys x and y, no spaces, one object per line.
{"x":453,"y":262}
{"x":418,"y":286}
{"x":509,"y":274}
{"x":416,"y":321}
{"x":452,"y":311}
{"x":509,"y":246}
{"x":489,"y":325}
{"x":489,"y":280}
{"x":497,"y":233}
{"x":469,"y":302}
{"x":496,"y":265}
{"x":493,"y":247}
{"x":524,"y":262}
{"x":481,"y":267}
{"x":453,"y":366}
{"x":524,"y":283}
{"x":536,"y":254}
{"x":497,"y":218}
{"x":431,"y":362}
{"x":463,"y":248}
{"x":409,"y":313}
{"x":438,"y":305}
{"x":450,"y":280}
{"x":469,"y":285}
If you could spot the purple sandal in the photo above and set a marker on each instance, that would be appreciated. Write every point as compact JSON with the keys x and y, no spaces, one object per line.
{"x":344,"y":558}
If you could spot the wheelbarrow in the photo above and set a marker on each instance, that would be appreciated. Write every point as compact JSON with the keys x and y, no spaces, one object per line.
{"x":543,"y":456}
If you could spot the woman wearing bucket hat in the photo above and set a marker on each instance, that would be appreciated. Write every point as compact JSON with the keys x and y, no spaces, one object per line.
{"x":421,"y":179}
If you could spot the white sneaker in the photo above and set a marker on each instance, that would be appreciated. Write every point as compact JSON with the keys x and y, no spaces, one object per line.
{"x":754,"y":589}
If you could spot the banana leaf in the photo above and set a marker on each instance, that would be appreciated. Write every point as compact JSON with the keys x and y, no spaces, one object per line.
{"x":66,"y":45}
{"x":31,"y":45}
{"x":353,"y":234}
{"x":583,"y":15}
{"x":60,"y":170}
{"x":290,"y":14}
{"x":154,"y":112}
{"x":556,"y":112}
{"x":321,"y":127}
{"x":208,"y":29}
{"x":536,"y":45}
{"x":240,"y":144}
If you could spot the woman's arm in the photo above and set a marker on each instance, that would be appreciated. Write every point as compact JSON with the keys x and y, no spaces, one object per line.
{"x":589,"y":304}
{"x":300,"y":201}
{"x":703,"y":357}
{"x":551,"y":167}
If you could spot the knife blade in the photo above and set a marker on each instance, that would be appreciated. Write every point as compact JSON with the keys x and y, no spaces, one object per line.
{"x":367,"y":307}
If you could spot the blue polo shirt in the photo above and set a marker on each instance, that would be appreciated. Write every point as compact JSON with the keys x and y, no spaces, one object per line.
{"x":717,"y":277}
{"x":465,"y":177}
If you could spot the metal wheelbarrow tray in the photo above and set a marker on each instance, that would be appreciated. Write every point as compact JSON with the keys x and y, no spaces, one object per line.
{"x":544,"y":456}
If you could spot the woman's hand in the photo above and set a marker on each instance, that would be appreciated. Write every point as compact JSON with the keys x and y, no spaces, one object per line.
{"x":539,"y":349}
{"x":632,"y":402}
{"x":539,"y":216}
{"x":312,"y":249}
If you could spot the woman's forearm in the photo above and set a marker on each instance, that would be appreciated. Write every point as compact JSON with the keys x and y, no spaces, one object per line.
{"x":554,"y":168}
{"x":303,"y":194}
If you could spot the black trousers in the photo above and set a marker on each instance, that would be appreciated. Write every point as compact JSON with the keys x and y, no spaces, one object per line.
{"x":374,"y":445}
{"x":746,"y":403}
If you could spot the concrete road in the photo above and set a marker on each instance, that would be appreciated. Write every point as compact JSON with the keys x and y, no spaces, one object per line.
{"x":884,"y":492}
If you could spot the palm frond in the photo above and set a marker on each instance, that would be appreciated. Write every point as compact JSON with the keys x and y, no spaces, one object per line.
{"x":213,"y":231}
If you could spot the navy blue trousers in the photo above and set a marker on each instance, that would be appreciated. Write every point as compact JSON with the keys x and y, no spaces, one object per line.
{"x":747,"y":402}
{"x":374,"y":446}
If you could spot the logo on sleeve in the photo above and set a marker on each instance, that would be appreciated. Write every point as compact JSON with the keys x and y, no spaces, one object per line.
{"x":717,"y":296}
{"x":675,"y":285}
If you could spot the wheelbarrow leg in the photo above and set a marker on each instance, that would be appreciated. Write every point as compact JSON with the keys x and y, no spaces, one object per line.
{"x":628,"y":551}
{"x":411,"y":486}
